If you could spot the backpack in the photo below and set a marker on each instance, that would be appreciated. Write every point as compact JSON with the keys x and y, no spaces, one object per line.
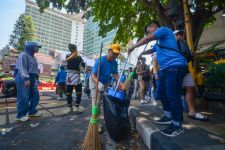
{"x":183,"y":49}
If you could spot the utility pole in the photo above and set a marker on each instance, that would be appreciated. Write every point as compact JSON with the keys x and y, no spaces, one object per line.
{"x":191,"y":67}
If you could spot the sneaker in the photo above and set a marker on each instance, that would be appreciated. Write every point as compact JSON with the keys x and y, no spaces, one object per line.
{"x":37,"y":114}
{"x":79,"y":109}
{"x":172,"y":130}
{"x":23,"y":119}
{"x":59,"y":98}
{"x":164,"y":120}
{"x":70,"y":109}
{"x":144,"y":101}
{"x":154,"y":102}
{"x":100,"y":130}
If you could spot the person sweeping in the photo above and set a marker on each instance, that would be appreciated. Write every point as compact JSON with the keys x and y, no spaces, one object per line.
{"x":108,"y":66}
{"x":99,"y":81}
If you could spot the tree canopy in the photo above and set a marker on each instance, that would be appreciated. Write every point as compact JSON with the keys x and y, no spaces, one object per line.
{"x":23,"y":32}
{"x":130,"y":16}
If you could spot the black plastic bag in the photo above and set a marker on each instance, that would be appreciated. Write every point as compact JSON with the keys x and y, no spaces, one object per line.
{"x":116,"y":117}
{"x":9,"y":88}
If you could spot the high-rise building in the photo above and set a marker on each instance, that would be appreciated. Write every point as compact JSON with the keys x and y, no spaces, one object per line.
{"x":54,"y":30}
{"x":93,"y":40}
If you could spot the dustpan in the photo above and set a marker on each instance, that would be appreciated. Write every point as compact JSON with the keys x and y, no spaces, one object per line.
{"x":115,"y":93}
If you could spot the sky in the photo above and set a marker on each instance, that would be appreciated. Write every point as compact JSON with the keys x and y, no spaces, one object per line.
{"x":10,"y":12}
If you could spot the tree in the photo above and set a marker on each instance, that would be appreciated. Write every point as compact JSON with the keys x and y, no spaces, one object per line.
{"x":130,"y":16}
{"x":23,"y":32}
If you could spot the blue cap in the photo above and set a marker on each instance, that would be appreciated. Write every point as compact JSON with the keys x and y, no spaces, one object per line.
{"x":32,"y":43}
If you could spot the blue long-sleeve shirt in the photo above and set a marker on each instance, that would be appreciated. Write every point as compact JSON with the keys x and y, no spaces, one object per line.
{"x":61,"y":77}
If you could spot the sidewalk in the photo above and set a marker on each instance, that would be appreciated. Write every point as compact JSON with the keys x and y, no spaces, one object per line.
{"x":48,"y":105}
{"x":56,"y":129}
{"x":197,"y":135}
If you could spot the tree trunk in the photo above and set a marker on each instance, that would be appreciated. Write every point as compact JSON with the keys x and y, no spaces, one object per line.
{"x":157,"y":7}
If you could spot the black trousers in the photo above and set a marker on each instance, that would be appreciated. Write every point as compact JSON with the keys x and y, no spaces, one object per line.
{"x":62,"y":89}
{"x":69,"y":93}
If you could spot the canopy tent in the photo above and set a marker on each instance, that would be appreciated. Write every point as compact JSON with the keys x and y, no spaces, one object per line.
{"x":88,"y":62}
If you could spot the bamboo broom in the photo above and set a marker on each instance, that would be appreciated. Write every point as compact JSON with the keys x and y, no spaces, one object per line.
{"x":126,"y":85}
{"x":92,"y":140}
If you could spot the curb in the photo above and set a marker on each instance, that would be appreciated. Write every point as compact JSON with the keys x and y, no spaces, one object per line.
{"x":194,"y":138}
{"x":146,"y":129}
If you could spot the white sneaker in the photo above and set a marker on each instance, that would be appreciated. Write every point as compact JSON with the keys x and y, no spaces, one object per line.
{"x":59,"y":98}
{"x":23,"y":119}
{"x":144,"y":101}
{"x":147,"y":98}
{"x":100,"y":130}
{"x":79,"y":109}
{"x":154,"y":103}
{"x":147,"y":101}
{"x":37,"y":114}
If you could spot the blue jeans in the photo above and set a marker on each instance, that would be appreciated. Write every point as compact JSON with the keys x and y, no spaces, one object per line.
{"x":169,"y":90}
{"x":156,"y":90}
{"x":27,"y":97}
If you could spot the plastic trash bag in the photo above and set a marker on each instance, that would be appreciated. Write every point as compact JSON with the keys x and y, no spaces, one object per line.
{"x":116,"y":117}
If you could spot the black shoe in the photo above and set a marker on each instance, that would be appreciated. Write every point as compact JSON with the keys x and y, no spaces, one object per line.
{"x":164,"y":120}
{"x":70,"y":109}
{"x":172,"y":130}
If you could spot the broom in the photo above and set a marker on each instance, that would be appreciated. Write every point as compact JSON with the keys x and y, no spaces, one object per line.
{"x":126,"y":85}
{"x":91,"y":140}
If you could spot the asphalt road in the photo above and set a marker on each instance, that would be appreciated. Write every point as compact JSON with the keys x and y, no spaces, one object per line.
{"x":58,"y":130}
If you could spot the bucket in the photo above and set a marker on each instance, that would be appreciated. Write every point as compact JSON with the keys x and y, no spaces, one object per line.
{"x":119,"y":95}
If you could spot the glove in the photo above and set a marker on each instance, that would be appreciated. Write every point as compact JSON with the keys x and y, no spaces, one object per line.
{"x":120,"y":87}
{"x":100,"y":86}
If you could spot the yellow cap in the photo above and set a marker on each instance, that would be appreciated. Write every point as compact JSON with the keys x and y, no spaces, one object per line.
{"x":115,"y":48}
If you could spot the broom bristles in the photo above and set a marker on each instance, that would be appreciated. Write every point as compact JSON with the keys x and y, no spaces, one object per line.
{"x":126,"y":85}
{"x":92,"y":139}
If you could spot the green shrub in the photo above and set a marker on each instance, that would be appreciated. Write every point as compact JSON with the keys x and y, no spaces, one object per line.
{"x":215,"y":77}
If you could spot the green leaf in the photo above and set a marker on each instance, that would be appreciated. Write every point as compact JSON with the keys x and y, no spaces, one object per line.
{"x":23,"y":32}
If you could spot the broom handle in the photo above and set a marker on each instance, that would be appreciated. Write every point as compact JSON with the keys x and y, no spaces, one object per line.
{"x":117,"y":85}
{"x":99,"y":63}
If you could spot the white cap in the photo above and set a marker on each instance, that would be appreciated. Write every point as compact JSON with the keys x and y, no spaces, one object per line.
{"x":177,"y":31}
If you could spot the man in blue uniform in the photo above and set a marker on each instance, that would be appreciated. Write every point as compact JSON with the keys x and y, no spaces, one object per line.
{"x":173,"y":67}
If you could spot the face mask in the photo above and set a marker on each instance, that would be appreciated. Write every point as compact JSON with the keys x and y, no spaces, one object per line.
{"x":36,"y":49}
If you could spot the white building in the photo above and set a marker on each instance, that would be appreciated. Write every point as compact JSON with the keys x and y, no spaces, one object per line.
{"x":77,"y":32}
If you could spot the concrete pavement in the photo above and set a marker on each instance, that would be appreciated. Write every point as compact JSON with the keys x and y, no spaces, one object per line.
{"x":197,"y":135}
{"x":57,"y":129}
